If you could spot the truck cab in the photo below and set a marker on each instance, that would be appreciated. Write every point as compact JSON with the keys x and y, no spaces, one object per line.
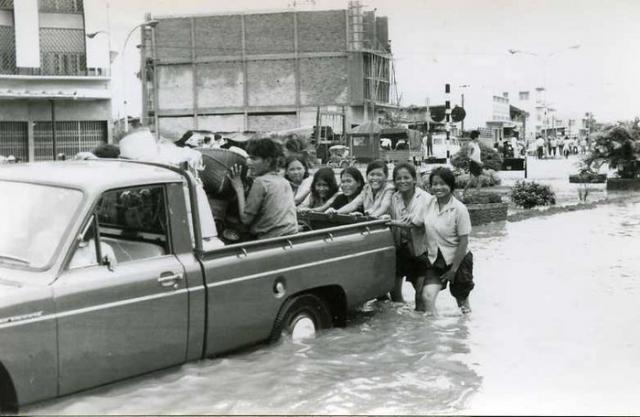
{"x":104,"y":276}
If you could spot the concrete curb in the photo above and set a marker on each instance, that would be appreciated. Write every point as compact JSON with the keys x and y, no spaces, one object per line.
{"x":524,"y":215}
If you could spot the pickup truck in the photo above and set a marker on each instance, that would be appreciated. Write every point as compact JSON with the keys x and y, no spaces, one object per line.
{"x":103,"y":276}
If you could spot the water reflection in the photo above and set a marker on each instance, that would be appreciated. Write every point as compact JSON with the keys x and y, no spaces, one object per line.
{"x":553,"y":331}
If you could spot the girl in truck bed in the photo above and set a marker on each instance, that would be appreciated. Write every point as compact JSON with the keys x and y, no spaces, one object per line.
{"x":375,"y":197}
{"x":324,"y":189}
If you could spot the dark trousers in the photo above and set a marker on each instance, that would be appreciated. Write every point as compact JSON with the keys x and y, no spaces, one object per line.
{"x":463,"y":282}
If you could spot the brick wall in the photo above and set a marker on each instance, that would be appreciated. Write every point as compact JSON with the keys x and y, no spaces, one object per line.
{"x":308,"y":117}
{"x":324,"y":81}
{"x":174,"y":127}
{"x":222,"y":123}
{"x":322,"y":31}
{"x":269,"y":33}
{"x":218,"y":36}
{"x":220,"y":84}
{"x":272,"y":122}
{"x":271,"y":83}
{"x":173,"y":39}
{"x":175,"y":87}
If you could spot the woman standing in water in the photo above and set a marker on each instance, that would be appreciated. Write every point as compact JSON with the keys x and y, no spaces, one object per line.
{"x":411,"y":250}
{"x":447,"y":227}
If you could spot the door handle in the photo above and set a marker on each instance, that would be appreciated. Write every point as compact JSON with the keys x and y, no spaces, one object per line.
{"x":170,"y":280}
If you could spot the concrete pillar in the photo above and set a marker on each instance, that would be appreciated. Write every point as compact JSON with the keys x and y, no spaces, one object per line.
{"x":31,"y":146}
{"x":27,"y":33}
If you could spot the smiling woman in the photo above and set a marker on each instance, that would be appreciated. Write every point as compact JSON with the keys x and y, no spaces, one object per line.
{"x":411,"y":257}
{"x":375,"y":198}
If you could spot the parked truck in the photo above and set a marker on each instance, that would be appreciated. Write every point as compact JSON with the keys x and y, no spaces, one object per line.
{"x":104,"y":276}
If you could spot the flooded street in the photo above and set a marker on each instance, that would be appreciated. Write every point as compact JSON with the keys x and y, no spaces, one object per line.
{"x":554,"y":331}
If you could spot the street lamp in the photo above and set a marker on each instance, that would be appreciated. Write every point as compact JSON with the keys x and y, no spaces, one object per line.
{"x":150,"y":24}
{"x":94,"y":34}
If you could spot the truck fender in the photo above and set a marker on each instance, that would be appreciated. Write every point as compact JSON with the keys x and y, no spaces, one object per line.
{"x":8,"y":397}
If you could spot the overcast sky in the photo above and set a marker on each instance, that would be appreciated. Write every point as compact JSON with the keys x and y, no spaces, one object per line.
{"x":466,"y":42}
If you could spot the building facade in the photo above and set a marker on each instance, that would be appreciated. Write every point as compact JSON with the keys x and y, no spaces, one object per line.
{"x":54,"y":80}
{"x":264,"y":71}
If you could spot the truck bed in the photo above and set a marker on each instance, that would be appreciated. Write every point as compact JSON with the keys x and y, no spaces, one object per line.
{"x":345,"y":265}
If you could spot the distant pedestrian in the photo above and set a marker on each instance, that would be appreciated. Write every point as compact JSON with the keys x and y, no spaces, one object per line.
{"x":475,"y":160}
{"x":561,"y":145}
{"x":429,"y":144}
{"x":554,"y":146}
{"x":540,"y":147}
{"x":514,"y":147}
{"x":582,"y":146}
{"x":567,"y":147}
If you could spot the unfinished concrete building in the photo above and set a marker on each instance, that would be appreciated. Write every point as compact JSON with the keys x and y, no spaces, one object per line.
{"x":265,"y":71}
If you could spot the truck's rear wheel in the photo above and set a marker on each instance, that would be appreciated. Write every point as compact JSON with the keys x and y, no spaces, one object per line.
{"x":302,"y":317}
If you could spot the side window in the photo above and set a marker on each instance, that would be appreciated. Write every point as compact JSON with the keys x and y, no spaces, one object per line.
{"x":133,"y":222}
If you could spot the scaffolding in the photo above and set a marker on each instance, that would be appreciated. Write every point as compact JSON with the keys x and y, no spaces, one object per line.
{"x":356,"y":26}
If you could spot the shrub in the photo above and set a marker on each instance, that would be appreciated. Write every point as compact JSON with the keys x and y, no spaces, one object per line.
{"x":532,"y":194}
{"x":619,"y":146}
{"x":489,"y":156}
{"x":489,"y":178}
{"x":483,"y":197}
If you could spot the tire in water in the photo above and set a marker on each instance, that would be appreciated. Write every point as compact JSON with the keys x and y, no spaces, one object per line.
{"x":300,"y":311}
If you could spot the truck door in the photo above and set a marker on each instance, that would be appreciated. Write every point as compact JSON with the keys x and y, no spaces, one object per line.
{"x":122,"y":304}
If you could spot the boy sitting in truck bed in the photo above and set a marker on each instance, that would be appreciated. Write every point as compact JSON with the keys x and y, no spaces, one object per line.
{"x":269,"y":209}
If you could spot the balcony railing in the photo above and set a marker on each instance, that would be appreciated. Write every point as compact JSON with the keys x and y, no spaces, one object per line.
{"x":60,"y":6}
{"x":63,"y":63}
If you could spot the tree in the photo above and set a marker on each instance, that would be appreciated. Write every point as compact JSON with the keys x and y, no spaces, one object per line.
{"x":619,"y":146}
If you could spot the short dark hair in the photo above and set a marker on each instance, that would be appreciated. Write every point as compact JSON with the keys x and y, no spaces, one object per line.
{"x":446,"y":175}
{"x":265,"y":148}
{"x":217,"y":136}
{"x":327,"y":175}
{"x":299,"y":158}
{"x":405,"y":165}
{"x":474,"y":134}
{"x":106,"y":150}
{"x":378,"y":164}
{"x":356,"y":175}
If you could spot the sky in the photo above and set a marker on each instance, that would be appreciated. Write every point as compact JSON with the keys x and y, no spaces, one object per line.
{"x":463,"y":42}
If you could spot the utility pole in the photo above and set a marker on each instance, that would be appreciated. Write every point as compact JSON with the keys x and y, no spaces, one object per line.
{"x":447,"y":110}
{"x":462,"y":121}
{"x":462,"y":104}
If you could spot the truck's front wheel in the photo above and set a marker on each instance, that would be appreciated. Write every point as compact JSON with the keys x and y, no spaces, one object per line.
{"x":302,"y":316}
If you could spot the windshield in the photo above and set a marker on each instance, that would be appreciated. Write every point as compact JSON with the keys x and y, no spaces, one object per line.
{"x":33,"y":220}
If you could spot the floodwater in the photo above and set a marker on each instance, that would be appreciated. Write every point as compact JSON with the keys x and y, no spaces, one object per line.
{"x":554,"y":331}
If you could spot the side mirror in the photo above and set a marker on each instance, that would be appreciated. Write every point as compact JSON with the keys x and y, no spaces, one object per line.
{"x":107,"y":262}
